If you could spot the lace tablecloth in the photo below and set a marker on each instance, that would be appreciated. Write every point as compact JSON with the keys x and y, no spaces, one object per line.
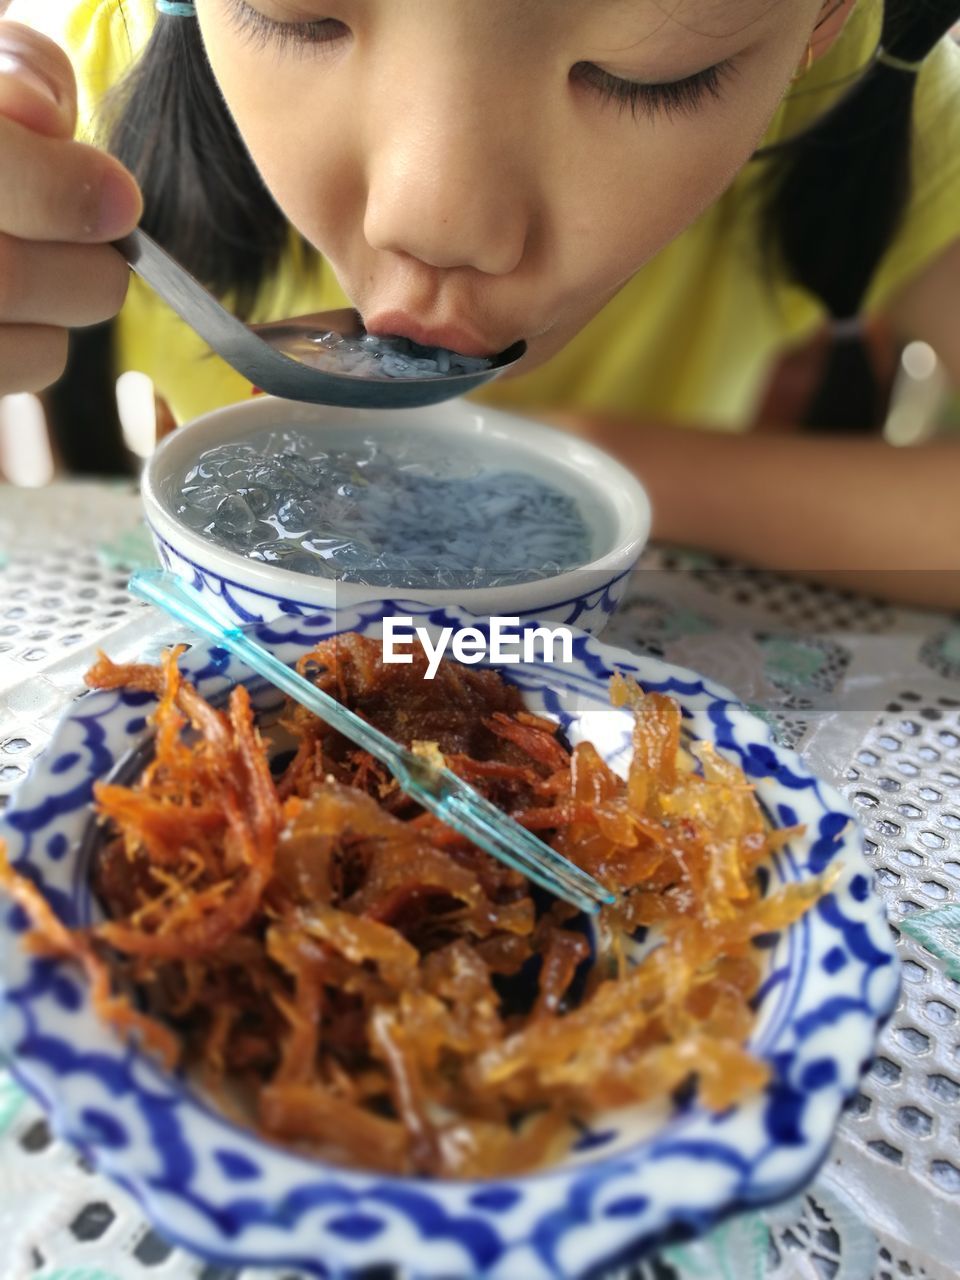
{"x":869,"y":695}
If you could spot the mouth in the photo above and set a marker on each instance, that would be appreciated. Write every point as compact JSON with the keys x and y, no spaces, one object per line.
{"x":396,"y":324}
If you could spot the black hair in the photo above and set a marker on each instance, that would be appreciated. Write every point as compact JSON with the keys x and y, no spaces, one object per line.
{"x":835,"y":195}
{"x":204,"y":199}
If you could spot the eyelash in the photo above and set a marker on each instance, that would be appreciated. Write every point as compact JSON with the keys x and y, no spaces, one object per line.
{"x":264,"y":31}
{"x":673,"y":98}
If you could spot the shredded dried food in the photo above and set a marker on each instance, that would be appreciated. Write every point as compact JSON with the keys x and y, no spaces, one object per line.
{"x":359,"y":981}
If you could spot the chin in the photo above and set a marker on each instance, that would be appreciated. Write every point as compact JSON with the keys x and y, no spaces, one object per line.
{"x":540,"y":351}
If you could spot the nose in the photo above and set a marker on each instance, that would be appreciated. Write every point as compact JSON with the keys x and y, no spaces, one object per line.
{"x":449,"y":188}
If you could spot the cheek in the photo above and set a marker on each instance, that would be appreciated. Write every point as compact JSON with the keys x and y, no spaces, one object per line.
{"x":629,"y":203}
{"x":298,"y":130}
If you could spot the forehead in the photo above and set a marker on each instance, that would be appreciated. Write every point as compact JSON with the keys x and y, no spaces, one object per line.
{"x":713,"y":18}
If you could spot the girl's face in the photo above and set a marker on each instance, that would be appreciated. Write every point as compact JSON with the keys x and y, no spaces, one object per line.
{"x":477,"y":171}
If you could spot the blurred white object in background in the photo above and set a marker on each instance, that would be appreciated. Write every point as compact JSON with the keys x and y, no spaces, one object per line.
{"x":919,"y":397}
{"x":48,"y":16}
{"x":137,"y":407}
{"x":25,"y":456}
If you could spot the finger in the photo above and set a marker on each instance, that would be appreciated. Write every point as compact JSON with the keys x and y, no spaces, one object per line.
{"x":60,"y":284}
{"x":32,"y":357}
{"x":37,"y":86}
{"x":51,"y":189}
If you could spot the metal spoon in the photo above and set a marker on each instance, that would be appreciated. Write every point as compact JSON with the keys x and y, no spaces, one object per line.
{"x":271,"y":356}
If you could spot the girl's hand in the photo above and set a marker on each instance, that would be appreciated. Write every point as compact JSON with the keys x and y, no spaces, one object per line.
{"x":61,"y":202}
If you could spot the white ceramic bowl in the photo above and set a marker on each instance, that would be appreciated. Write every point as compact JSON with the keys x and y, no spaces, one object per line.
{"x":612,"y":499}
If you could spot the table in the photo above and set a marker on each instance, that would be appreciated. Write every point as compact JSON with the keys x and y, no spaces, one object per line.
{"x":868,"y":694}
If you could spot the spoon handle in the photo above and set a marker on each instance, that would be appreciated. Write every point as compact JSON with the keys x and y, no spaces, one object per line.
{"x":266,"y":367}
{"x":181,"y":291}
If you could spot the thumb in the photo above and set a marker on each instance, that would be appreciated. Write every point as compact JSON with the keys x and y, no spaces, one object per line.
{"x":37,"y":86}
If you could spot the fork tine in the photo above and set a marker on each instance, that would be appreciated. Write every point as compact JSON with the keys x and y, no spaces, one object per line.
{"x":534,"y":868}
{"x":538,"y":849}
{"x":457,"y":803}
{"x":523,"y":850}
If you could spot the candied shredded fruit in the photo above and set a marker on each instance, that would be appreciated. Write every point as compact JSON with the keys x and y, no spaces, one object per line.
{"x":356,"y":979}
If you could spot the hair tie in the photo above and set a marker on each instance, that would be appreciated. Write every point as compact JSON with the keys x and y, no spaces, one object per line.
{"x":846,"y":328}
{"x":898,"y":64}
{"x":176,"y":8}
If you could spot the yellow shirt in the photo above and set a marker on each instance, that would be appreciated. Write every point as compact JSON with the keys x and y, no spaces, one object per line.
{"x":691,"y":337}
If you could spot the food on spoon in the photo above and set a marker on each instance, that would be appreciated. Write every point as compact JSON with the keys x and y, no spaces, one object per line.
{"x":386,"y":356}
{"x":359,"y":981}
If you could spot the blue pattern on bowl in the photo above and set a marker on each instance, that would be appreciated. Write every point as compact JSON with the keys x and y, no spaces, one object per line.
{"x":590,"y":608}
{"x":629,"y":1180}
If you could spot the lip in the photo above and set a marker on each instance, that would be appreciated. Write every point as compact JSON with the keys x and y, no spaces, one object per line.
{"x":449,"y":336}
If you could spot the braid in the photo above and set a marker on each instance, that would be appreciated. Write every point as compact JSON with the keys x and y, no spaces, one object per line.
{"x":839,"y":192}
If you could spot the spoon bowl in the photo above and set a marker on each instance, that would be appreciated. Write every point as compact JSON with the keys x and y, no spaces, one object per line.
{"x":276,"y":357}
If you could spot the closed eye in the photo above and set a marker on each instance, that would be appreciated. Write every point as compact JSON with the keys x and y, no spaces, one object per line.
{"x":671,"y":98}
{"x":264,"y":31}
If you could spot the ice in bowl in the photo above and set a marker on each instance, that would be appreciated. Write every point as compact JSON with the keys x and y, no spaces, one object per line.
{"x":373,"y":509}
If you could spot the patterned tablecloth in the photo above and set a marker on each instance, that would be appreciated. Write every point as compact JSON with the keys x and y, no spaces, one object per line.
{"x":870,"y":696}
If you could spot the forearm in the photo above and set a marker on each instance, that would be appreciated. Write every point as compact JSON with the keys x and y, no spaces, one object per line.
{"x":858,"y":513}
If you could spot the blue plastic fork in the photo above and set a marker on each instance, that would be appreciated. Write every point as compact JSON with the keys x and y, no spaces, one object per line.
{"x":437,"y":789}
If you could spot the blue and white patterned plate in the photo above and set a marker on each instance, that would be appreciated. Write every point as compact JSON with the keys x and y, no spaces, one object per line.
{"x":631,"y":1179}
